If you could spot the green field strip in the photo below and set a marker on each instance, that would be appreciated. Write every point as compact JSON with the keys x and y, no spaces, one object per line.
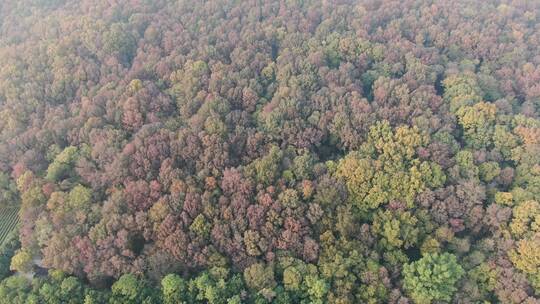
{"x":9,"y":218}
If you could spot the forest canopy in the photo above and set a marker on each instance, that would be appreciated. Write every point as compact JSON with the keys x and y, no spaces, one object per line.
{"x":281,"y":151}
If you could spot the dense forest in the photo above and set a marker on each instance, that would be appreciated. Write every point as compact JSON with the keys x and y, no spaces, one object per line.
{"x":270,"y":151}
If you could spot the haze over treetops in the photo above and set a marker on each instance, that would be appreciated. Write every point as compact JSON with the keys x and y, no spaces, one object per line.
{"x":295,"y":151}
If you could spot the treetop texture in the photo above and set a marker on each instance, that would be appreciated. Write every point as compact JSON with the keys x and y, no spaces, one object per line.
{"x":269,"y":151}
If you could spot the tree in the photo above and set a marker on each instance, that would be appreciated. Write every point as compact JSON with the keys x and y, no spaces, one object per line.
{"x":266,"y":169}
{"x":22,"y":261}
{"x":386,"y":169}
{"x":8,"y":190}
{"x":174,"y":289}
{"x":270,"y":151}
{"x":303,"y":281}
{"x":477,"y":122}
{"x":461,"y":90}
{"x":120,"y":42}
{"x":526,"y":257}
{"x":397,"y":229}
{"x":7,"y":251}
{"x":63,"y":164}
{"x":130,"y":289}
{"x":259,"y":276}
{"x":216,"y":286}
{"x":15,"y":289}
{"x":526,"y":219}
{"x":432,"y":278}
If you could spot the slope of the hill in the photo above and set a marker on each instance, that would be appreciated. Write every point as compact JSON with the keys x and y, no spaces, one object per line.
{"x":373,"y":151}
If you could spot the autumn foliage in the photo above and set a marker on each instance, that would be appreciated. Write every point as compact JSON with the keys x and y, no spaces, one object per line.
{"x":377,"y":151}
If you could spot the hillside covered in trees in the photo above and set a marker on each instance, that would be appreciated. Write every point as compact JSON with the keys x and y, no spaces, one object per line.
{"x":280,"y":151}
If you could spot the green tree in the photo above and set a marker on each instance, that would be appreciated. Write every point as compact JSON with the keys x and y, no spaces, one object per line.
{"x":200,"y":226}
{"x":489,"y":171}
{"x":258,"y":276}
{"x":8,"y":190}
{"x":478,"y":123}
{"x":7,"y":251}
{"x":266,"y":169}
{"x":63,"y":164}
{"x":129,"y":289}
{"x":316,"y":288}
{"x":174,"y":289}
{"x":303,"y":281}
{"x":71,"y":290}
{"x":461,"y":90}
{"x":118,"y":41}
{"x":15,"y":290}
{"x":397,"y":229}
{"x":386,"y":168}
{"x":216,"y":286}
{"x":465,"y":164}
{"x":525,"y":226}
{"x":79,"y":198}
{"x":303,"y":166}
{"x":432,"y":278}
